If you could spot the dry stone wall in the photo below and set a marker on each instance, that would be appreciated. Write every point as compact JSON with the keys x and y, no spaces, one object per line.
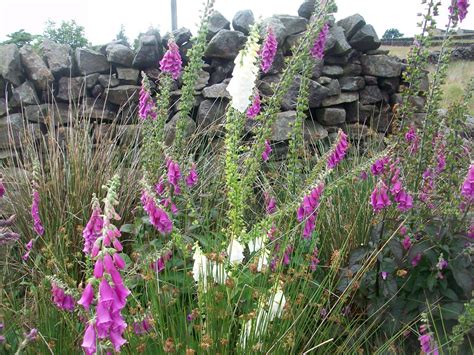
{"x":354,"y":87}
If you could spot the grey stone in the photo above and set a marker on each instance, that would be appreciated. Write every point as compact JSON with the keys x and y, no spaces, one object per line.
{"x":128,"y":75}
{"x":317,"y":93}
{"x":202,"y":80}
{"x":278,"y":28}
{"x":390,"y":85}
{"x":381,"y":66}
{"x":57,"y":57}
{"x":57,"y":114}
{"x":283,"y":126}
{"x":181,"y":36}
{"x":370,"y":95}
{"x":71,"y":89}
{"x":267,"y":84}
{"x":149,"y":51}
{"x":332,"y":85}
{"x":293,"y":24}
{"x":35,"y":68}
{"x":336,"y":43}
{"x":351,"y":25}
{"x":352,"y":69}
{"x":119,"y":54}
{"x":278,"y":63}
{"x":211,"y":112}
{"x":97,"y":109}
{"x":108,"y":81}
{"x":217,"y":22}
{"x":306,"y":9}
{"x":344,"y":97}
{"x":243,"y":20}
{"x":91,"y":80}
{"x":332,"y":71}
{"x":97,"y":90}
{"x":89,"y":61}
{"x":365,"y":39}
{"x":124,"y":94}
{"x":170,"y":128}
{"x":222,"y":69}
{"x":3,"y":107}
{"x":10,"y":64}
{"x":357,"y":131}
{"x":25,"y":94}
{"x":291,"y":42}
{"x":13,"y":130}
{"x":331,"y":116}
{"x":370,"y":80}
{"x":225,"y":44}
{"x":352,"y":83}
{"x":216,"y":91}
{"x":317,"y":68}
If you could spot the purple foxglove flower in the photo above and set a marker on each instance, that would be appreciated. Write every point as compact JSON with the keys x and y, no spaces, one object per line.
{"x":174,"y":175}
{"x":442,"y":264}
{"x":378,"y":168}
{"x":117,"y":340}
{"x":459,"y":10}
{"x":158,"y":218}
{"x":192,"y":178}
{"x":268,"y":150}
{"x":384,"y":275}
{"x":403,"y":230}
{"x":416,"y":260}
{"x":2,"y":189}
{"x":93,"y":229}
{"x":109,"y":264}
{"x":379,"y":198}
{"x":38,"y":227}
{"x":255,"y":108}
{"x":106,"y":293}
{"x":32,"y":335}
{"x":118,"y":261}
{"x":406,"y":243}
{"x":146,"y":106}
{"x":340,"y":152}
{"x":317,"y":51}
{"x":270,"y":46}
{"x":160,"y":187}
{"x":467,"y":190}
{"x":412,"y":138}
{"x":89,"y":340}
{"x":104,"y":319}
{"x":363,"y":176}
{"x":138,"y":328}
{"x":287,"y":255}
{"x":99,"y":269}
{"x":309,"y":227}
{"x":314,"y":259}
{"x":404,"y":201}
{"x":171,"y":62}
{"x":87,"y":297}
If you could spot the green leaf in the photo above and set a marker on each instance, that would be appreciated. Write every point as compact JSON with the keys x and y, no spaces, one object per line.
{"x":451,"y":311}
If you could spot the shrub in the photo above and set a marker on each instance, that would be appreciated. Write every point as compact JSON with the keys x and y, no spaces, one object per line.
{"x":68,"y":32}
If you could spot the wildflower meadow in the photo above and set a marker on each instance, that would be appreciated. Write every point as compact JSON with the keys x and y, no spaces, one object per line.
{"x":229,"y":246}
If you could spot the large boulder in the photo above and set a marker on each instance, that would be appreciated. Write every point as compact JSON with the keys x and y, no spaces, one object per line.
{"x":211,"y":112}
{"x":170,"y":128}
{"x":331,"y":116}
{"x":25,"y":94}
{"x":57,"y":57}
{"x":243,"y":20}
{"x":225,"y":44}
{"x":351,"y":25}
{"x":35,"y":68}
{"x":283,"y":126}
{"x":216,"y":91}
{"x":217,"y":22}
{"x":332,"y":71}
{"x":370,"y":95}
{"x":332,"y":85}
{"x":10,"y":64}
{"x":317,"y":93}
{"x":123,"y":94}
{"x":278,"y":28}
{"x":89,"y":61}
{"x":181,"y":36}
{"x":108,"y":81}
{"x":119,"y":54}
{"x":3,"y":107}
{"x":128,"y":75}
{"x":344,"y":97}
{"x":13,"y":129}
{"x":352,"y":83}
{"x":149,"y":52}
{"x":293,"y":24}
{"x":365,"y":39}
{"x":57,"y":114}
{"x":71,"y":89}
{"x":306,"y":9}
{"x":336,"y":43}
{"x":381,"y":66}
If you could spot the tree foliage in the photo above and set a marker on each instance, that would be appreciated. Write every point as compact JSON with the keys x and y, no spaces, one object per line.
{"x":121,"y":36}
{"x":68,"y":32}
{"x":392,"y":33}
{"x":20,"y":38}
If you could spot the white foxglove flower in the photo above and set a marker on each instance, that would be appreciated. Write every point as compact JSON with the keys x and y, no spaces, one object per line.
{"x":256,"y":244}
{"x":262,"y":261}
{"x":244,"y":76}
{"x":200,"y":266}
{"x":235,"y":251}
{"x":254,"y":327}
{"x":276,"y":305}
{"x":218,"y":273}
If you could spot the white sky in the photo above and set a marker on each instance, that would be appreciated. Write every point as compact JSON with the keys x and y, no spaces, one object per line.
{"x":102,"y":18}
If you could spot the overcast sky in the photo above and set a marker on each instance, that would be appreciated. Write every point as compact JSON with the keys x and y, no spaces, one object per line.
{"x":102,"y":18}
